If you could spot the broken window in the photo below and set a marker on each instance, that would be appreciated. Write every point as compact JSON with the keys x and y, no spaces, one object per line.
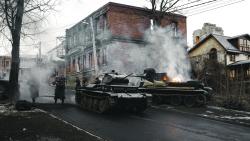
{"x":213,"y":54}
{"x":232,"y":57}
{"x":241,"y":42}
{"x":7,"y":63}
{"x":68,"y":66}
{"x":101,"y":23}
{"x":248,"y":72}
{"x":244,"y":45}
{"x":151,"y":24}
{"x":79,"y":63}
{"x":73,"y":67}
{"x":104,"y":56}
{"x":91,"y":60}
{"x":98,"y":57}
{"x":232,"y":74}
{"x":174,"y":29}
{"x":83,"y":62}
{"x":197,"y":39}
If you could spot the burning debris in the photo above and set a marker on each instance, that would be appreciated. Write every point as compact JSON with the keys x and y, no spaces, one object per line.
{"x":190,"y":93}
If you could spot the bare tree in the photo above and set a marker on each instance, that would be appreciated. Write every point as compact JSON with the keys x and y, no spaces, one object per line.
{"x":159,"y":8}
{"x":15,"y":16}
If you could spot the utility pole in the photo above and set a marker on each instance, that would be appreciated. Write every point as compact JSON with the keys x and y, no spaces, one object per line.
{"x":94,"y":46}
{"x":39,"y":56}
{"x":40,"y":51}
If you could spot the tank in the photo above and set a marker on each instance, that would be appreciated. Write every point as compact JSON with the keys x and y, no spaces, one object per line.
{"x":189,"y":93}
{"x":111,"y":92}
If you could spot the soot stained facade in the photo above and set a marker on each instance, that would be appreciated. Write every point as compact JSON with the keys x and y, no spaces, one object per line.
{"x":112,"y":24}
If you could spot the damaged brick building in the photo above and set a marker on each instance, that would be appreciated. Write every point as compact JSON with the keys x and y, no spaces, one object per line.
{"x":111,"y":24}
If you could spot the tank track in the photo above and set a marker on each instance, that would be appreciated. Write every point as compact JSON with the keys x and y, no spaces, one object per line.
{"x":188,"y":98}
{"x":103,"y":102}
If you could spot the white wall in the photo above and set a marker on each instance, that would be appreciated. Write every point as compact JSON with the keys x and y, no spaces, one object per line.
{"x":238,"y":57}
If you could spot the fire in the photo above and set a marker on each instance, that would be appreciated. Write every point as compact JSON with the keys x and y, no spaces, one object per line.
{"x":165,"y":78}
{"x":177,"y":79}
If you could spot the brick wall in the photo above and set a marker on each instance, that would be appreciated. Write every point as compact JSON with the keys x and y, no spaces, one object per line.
{"x":125,"y":21}
{"x":181,"y":23}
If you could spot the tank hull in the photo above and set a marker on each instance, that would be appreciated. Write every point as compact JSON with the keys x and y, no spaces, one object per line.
{"x":190,"y":93}
{"x":178,"y":95}
{"x":102,"y":99}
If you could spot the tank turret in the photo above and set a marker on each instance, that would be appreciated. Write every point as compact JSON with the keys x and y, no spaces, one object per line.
{"x":115,"y":79}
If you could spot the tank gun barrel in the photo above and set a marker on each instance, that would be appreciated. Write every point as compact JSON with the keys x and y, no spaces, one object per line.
{"x":127,"y":76}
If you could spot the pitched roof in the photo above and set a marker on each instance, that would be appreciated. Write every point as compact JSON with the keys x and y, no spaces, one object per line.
{"x":242,"y":35}
{"x":222,"y":40}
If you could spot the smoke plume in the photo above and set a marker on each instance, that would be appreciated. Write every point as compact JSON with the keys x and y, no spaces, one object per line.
{"x":162,"y":51}
{"x":39,"y":75}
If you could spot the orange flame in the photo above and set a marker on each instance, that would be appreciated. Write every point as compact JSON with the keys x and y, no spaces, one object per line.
{"x":177,"y":79}
{"x":165,"y":78}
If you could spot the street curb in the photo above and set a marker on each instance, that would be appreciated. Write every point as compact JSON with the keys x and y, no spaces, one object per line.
{"x":205,"y":117}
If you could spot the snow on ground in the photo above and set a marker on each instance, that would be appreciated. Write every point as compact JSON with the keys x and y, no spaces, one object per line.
{"x":231,"y":117}
{"x":210,"y":112}
{"x":2,"y":109}
{"x":223,"y":109}
{"x":8,"y":109}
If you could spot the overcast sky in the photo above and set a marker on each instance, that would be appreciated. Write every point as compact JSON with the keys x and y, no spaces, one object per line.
{"x":234,"y":19}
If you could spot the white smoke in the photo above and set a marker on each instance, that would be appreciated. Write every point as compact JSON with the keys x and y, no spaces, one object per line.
{"x":37,"y":74}
{"x":126,"y":58}
{"x":162,"y":52}
{"x":168,"y":54}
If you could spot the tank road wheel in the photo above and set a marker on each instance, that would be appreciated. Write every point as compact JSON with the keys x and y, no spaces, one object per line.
{"x":89,"y":103}
{"x":82,"y":102}
{"x":103,"y":105}
{"x":95,"y":104}
{"x":157,"y":100}
{"x":201,"y":100}
{"x":176,"y":100}
{"x":141,"y":109}
{"x":77,"y":99}
{"x":189,"y":101}
{"x":85,"y":102}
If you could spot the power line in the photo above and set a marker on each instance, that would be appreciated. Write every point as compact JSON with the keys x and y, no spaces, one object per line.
{"x":204,"y":6}
{"x":216,"y":8}
{"x":188,"y":3}
{"x":194,"y":5}
{"x":208,"y":6}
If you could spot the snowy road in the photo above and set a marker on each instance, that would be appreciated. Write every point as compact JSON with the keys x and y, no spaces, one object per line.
{"x":153,"y":125}
{"x":156,"y":124}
